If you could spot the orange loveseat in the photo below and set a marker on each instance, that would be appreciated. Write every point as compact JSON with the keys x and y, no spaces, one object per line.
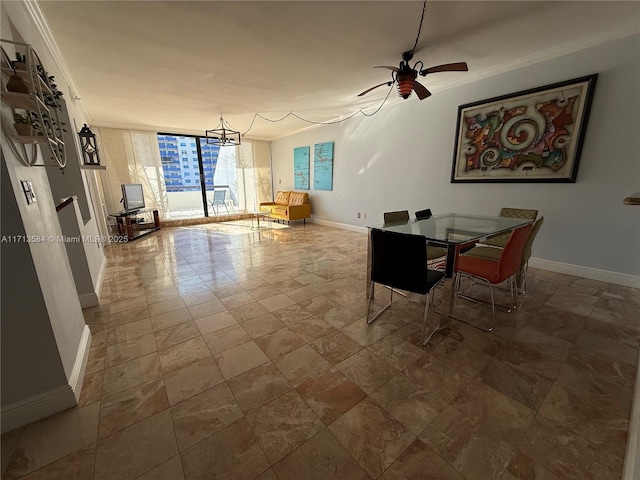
{"x":288,"y":206}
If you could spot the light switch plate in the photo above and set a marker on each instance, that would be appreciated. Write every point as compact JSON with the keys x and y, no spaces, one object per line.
{"x":28,"y":191}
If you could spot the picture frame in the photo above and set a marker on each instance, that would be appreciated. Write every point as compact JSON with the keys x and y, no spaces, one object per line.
{"x":534,"y":135}
{"x":301,"y":168}
{"x":323,"y":166}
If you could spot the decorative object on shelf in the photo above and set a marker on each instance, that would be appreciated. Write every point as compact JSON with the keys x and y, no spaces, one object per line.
{"x":16,"y":84}
{"x":323,"y":166}
{"x":534,"y":135}
{"x":301,"y":168}
{"x":47,"y":124}
{"x":51,"y":99}
{"x":89,"y":147}
{"x":23,"y":125}
{"x":20,"y":63}
{"x":223,"y":135}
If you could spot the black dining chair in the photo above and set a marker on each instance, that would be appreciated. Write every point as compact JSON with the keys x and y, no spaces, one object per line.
{"x":396,"y":217}
{"x":422,"y":214}
{"x":433,"y":253}
{"x":399,"y":261}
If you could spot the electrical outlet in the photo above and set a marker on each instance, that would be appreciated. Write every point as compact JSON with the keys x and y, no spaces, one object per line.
{"x":279,"y":181}
{"x":358,"y":215}
{"x":364,"y":215}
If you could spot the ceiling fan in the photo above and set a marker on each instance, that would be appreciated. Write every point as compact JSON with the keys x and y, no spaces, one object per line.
{"x":405,"y":76}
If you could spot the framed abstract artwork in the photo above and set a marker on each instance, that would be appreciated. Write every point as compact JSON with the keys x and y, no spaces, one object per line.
{"x":301,"y":169}
{"x":323,"y":166}
{"x":529,"y":136}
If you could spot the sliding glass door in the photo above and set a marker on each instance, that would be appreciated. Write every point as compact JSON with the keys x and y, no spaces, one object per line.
{"x":184,"y":174}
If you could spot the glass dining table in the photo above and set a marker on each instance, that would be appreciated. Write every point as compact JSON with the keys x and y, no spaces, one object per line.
{"x":453,"y":231}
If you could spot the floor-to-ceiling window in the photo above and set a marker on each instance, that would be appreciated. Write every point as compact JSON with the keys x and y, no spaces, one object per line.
{"x":180,"y":173}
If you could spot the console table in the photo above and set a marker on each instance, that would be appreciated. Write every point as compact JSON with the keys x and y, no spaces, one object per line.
{"x":138,"y":223}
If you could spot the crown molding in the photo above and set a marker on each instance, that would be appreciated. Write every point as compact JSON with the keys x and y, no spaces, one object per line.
{"x":628,"y":29}
{"x":40,"y":22}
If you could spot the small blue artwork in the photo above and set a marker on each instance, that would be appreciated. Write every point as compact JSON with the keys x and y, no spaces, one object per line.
{"x":301,"y":168}
{"x":323,"y":166}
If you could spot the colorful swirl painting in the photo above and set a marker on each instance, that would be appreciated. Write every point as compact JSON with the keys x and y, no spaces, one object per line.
{"x":530,"y":136}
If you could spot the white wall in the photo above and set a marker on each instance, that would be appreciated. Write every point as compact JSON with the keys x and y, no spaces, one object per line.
{"x":401,"y":159}
{"x":44,"y":337}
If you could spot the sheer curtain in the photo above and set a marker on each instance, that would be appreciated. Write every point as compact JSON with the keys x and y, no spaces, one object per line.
{"x":134,"y":157}
{"x":253,"y":173}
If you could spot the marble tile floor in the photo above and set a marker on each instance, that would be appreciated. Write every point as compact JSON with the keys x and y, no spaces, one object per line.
{"x":246,"y":356}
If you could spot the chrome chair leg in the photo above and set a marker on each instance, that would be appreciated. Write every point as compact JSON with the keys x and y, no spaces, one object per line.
{"x":493,"y":303}
{"x":523,"y":278}
{"x":457,"y":294}
{"x":384,"y":309}
{"x":424,"y":321}
{"x":396,"y":291}
{"x":514,"y":292}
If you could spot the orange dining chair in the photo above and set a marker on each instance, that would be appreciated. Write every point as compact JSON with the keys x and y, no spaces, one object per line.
{"x":494,"y":271}
{"x":494,"y":253}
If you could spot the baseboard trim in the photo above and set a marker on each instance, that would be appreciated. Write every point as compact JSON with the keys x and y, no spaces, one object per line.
{"x":587,"y":272}
{"x":89,"y":300}
{"x":80,"y":365}
{"x":577,"y":270}
{"x":343,"y":226}
{"x":37,"y":407}
{"x":93,"y":299}
{"x":100,"y":280}
{"x":631,"y":469}
{"x":53,"y":401}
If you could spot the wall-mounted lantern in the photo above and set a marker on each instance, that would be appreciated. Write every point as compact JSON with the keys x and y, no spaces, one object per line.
{"x":89,"y":147}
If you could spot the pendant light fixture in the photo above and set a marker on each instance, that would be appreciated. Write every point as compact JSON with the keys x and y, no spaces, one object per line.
{"x":223,"y":135}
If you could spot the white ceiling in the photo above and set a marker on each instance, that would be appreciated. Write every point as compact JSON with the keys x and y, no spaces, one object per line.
{"x":176,"y":66}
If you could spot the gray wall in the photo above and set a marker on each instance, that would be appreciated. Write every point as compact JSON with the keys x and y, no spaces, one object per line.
{"x":27,"y":337}
{"x":44,"y":336}
{"x":401,"y":159}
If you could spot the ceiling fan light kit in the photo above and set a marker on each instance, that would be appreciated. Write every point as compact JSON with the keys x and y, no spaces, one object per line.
{"x":405,"y":77}
{"x":406,"y":82}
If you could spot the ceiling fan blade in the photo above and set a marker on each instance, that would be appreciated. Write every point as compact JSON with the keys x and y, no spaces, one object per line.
{"x":421,"y":90}
{"x":395,"y":69}
{"x":447,"y":67}
{"x":372,"y":88}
